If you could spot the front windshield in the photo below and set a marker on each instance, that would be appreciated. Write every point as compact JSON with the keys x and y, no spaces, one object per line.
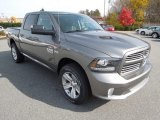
{"x":76,"y":23}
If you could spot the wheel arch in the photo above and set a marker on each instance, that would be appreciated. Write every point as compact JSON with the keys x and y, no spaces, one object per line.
{"x":154,"y":33}
{"x":65,"y":61}
{"x":11,"y":41}
{"x":143,"y":32}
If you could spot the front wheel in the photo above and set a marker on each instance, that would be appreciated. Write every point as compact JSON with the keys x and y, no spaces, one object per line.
{"x":74,"y":83}
{"x":154,"y":35}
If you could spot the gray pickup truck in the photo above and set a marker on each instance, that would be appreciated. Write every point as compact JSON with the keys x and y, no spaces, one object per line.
{"x":88,"y":60}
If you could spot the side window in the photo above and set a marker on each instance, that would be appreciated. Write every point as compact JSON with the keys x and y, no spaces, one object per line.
{"x":30,"y":20}
{"x":45,"y":20}
{"x":158,"y":28}
{"x":153,"y":28}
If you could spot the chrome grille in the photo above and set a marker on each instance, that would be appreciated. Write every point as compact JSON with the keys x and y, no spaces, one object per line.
{"x":137,"y":56}
{"x":134,"y":61}
{"x":130,"y":68}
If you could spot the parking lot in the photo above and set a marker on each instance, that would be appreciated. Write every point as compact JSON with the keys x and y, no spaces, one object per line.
{"x":29,"y":91}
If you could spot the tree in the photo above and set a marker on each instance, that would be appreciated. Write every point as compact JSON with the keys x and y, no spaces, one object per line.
{"x":112,"y":19}
{"x":13,"y":19}
{"x":153,"y":11}
{"x":138,"y":8}
{"x":126,"y":18}
{"x":95,"y":13}
{"x":117,"y":5}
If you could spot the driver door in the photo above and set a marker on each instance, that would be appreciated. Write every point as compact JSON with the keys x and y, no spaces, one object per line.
{"x":45,"y":43}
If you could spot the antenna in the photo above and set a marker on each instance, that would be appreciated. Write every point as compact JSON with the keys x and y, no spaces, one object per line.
{"x":42,"y":9}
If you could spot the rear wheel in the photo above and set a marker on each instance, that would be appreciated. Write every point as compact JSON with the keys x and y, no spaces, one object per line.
{"x":155,"y":35}
{"x":74,"y":83}
{"x":17,"y":56}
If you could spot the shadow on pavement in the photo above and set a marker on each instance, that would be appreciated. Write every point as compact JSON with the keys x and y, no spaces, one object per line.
{"x":156,"y":40}
{"x":39,"y":83}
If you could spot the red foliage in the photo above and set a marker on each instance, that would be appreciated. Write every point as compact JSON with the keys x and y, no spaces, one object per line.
{"x":126,"y":18}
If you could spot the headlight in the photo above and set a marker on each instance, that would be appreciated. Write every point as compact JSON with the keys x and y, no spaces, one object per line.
{"x":104,"y":65}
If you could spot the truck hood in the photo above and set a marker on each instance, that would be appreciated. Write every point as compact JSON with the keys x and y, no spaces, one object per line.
{"x":112,"y":44}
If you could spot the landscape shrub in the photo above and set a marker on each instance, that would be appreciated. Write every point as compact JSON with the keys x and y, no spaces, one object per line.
{"x":2,"y":33}
{"x":5,"y":25}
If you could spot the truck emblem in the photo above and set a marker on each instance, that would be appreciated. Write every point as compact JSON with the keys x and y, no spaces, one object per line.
{"x":50,"y":50}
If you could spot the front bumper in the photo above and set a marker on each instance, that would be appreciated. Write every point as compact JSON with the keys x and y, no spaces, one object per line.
{"x":112,"y":86}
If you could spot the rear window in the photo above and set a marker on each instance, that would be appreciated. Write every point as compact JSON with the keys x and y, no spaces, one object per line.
{"x":30,"y":20}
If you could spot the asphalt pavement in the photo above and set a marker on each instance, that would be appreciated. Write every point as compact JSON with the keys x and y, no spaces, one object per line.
{"x":29,"y":91}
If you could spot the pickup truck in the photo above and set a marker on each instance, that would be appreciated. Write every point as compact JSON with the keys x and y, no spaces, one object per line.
{"x":88,"y":60}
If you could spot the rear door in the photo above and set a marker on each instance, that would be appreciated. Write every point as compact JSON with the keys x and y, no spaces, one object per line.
{"x":27,"y":44}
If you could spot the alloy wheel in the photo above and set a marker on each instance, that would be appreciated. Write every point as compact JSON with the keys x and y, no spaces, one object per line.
{"x":154,"y":35}
{"x":14,"y":53}
{"x":71,"y":85}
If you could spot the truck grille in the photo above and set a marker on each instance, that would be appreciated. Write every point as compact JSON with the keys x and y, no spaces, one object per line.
{"x":130,"y":68}
{"x":137,"y":56}
{"x":134,"y":61}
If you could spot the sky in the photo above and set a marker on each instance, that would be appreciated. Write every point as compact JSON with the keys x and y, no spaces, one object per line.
{"x":19,"y":8}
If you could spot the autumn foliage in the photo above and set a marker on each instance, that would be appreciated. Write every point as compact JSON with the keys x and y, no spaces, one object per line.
{"x":125,"y":17}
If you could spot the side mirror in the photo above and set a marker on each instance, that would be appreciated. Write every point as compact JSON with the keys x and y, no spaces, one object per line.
{"x":39,"y":29}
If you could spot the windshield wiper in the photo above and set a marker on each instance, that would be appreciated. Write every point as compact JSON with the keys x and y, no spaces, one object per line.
{"x":74,"y":31}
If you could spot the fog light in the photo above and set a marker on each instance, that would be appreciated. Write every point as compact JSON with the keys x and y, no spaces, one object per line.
{"x":110,"y":91}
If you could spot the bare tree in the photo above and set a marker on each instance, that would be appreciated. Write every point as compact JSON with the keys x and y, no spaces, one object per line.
{"x":153,"y":11}
{"x":95,"y":13}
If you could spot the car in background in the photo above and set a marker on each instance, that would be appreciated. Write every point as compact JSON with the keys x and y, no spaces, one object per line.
{"x":147,"y":31}
{"x":107,"y":27}
{"x":1,"y":28}
{"x":155,"y":33}
{"x":137,"y":30}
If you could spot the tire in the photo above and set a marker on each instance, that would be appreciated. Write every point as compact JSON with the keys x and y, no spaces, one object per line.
{"x":155,"y":35}
{"x":16,"y":55}
{"x":74,"y":84}
{"x":142,"y":33}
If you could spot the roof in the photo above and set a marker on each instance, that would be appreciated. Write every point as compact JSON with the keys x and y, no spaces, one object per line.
{"x":53,"y":12}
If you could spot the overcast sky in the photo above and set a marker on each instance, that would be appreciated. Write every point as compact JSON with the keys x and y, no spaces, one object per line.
{"x":18,"y":8}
